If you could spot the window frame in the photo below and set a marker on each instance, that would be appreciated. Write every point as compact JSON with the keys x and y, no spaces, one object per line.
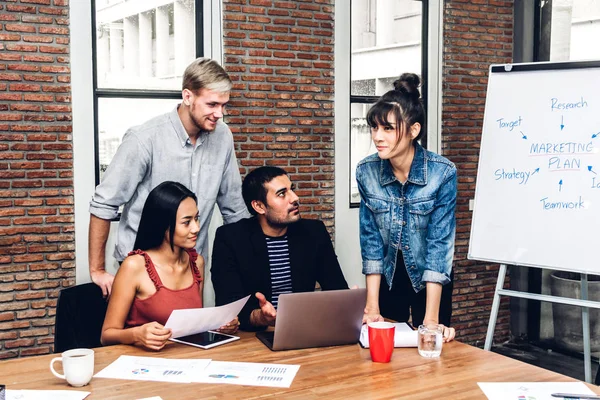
{"x":104,"y":93}
{"x":360,"y":99}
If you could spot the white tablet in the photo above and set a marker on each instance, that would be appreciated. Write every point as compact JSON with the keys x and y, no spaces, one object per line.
{"x":206,"y":340}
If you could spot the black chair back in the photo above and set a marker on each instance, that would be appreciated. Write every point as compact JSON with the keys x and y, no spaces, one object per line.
{"x":80,"y":314}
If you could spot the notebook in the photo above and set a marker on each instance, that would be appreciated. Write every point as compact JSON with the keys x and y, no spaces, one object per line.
{"x":405,"y":336}
{"x":316,"y":319}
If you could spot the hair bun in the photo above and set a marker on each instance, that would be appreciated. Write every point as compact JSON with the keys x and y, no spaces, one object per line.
{"x":408,"y":83}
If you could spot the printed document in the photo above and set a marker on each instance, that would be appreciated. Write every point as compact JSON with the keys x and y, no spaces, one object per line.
{"x":252,"y":374}
{"x":45,"y":394}
{"x":153,"y":369}
{"x":530,"y":390}
{"x":403,"y":337}
{"x":196,"y":320}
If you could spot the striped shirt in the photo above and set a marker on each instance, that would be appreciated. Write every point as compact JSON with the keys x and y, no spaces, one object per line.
{"x":279,"y":262}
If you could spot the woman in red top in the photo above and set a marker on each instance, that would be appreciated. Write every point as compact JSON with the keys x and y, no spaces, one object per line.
{"x":162,"y":275}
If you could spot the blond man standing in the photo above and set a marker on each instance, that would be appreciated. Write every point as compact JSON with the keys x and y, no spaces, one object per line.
{"x":190,"y":145}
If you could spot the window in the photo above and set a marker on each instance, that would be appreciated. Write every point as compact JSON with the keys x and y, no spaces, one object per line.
{"x":387,"y":37}
{"x":569,"y":30}
{"x":140,"y":50}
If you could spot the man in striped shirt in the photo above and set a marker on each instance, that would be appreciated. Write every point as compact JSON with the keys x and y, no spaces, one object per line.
{"x":272,"y":253}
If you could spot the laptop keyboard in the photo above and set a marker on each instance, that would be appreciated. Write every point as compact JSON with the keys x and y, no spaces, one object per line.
{"x":266,"y":337}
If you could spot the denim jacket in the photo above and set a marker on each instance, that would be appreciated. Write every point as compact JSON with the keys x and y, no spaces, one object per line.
{"x":416,"y":217}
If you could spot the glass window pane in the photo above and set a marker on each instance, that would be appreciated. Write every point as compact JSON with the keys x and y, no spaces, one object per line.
{"x":386,"y":41}
{"x":144,"y":46}
{"x":115,"y":116}
{"x":363,"y":87}
{"x":361,"y":144}
{"x":574,"y":30}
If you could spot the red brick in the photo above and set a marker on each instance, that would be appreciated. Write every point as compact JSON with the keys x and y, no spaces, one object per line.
{"x":35,"y":351}
{"x":11,"y":344}
{"x":52,"y":10}
{"x":36,"y":19}
{"x":22,"y":47}
{"x":28,"y":314}
{"x":10,"y":37}
{"x":8,"y":335}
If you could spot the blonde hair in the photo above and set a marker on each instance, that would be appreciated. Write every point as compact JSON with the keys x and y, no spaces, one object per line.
{"x":204,"y":73}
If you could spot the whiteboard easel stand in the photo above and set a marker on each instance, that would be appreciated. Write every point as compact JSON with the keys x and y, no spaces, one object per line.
{"x":584,"y":303}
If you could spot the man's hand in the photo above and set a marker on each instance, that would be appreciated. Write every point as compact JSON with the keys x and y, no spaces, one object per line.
{"x":266,"y":314}
{"x":104,"y":280}
{"x":152,"y":335}
{"x":97,"y":237}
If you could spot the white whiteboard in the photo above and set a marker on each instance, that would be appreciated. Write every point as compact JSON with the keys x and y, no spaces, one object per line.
{"x":537,"y":196}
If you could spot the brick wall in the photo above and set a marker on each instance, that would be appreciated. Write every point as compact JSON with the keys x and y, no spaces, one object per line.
{"x":36,"y":186}
{"x":477,"y":33}
{"x":280,"y":56}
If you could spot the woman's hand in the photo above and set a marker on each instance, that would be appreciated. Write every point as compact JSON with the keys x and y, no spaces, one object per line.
{"x":231,"y":327}
{"x":152,"y":335}
{"x":447,"y":332}
{"x":371,"y":315}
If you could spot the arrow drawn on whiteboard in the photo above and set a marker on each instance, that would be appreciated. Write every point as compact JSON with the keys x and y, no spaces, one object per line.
{"x":535,"y":171}
{"x":562,"y":120}
{"x":590,"y":169}
{"x":560,"y":185}
{"x":525,"y":137}
{"x":595,"y":135}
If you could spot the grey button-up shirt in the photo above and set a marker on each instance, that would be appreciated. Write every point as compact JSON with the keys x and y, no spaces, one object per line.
{"x":160,"y":150}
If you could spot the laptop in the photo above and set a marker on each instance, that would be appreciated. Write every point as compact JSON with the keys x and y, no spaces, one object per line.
{"x":316,"y":319}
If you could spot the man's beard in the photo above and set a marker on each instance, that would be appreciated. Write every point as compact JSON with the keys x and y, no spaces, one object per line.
{"x":280,"y":223}
{"x":197,"y":123}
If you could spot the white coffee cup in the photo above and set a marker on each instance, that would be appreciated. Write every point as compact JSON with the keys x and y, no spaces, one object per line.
{"x":78,"y":366}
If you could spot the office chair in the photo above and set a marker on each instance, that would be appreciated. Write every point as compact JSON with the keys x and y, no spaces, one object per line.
{"x":597,"y":380}
{"x":80,"y":314}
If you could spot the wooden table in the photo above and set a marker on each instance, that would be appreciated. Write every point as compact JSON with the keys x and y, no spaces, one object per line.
{"x":341,"y":372}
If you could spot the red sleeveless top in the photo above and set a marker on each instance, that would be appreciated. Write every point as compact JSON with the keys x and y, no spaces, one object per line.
{"x":158,"y":307}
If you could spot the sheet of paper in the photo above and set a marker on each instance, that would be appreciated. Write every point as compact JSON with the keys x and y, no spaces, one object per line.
{"x":196,"y":320}
{"x":530,"y":390}
{"x":46,"y":394}
{"x":153,"y":369}
{"x":252,"y":374}
{"x":403,"y":337}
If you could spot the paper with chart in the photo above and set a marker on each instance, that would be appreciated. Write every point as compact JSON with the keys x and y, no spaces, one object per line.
{"x":404,"y":336}
{"x":196,"y":320}
{"x":154,"y":369}
{"x":530,"y":390}
{"x":252,"y":374}
{"x":537,"y":195}
{"x":45,"y":394}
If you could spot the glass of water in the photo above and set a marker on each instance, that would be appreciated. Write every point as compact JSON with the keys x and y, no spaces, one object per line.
{"x":430,"y":340}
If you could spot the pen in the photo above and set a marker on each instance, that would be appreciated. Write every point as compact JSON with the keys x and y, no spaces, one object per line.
{"x":576,"y":396}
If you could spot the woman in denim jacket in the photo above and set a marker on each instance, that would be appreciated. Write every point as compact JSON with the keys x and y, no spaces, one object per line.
{"x":407,"y":224}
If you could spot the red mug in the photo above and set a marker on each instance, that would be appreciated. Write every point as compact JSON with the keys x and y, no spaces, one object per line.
{"x":381,"y":341}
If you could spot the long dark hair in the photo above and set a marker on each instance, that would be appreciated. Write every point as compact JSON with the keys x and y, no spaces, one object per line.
{"x":404,"y":102}
{"x":159,"y":214}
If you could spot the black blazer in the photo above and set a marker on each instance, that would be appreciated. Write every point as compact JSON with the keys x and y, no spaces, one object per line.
{"x":240,"y":262}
